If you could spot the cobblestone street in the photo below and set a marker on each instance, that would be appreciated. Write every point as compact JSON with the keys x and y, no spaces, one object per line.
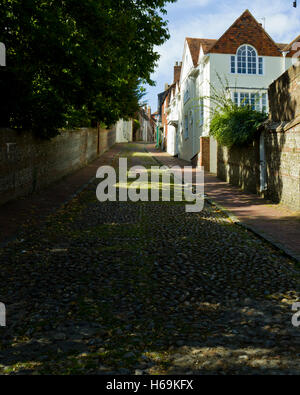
{"x":145,"y":288}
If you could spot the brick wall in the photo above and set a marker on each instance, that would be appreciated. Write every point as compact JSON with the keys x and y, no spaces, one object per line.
{"x":283,"y":140}
{"x":284,"y":96}
{"x":204,"y":155}
{"x":28,"y":164}
{"x":202,"y":159}
{"x":283,"y":164}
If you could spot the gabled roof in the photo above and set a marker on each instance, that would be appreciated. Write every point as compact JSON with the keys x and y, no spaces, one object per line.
{"x":207,"y":44}
{"x":195,"y":45}
{"x":289,"y":47}
{"x":244,"y":30}
{"x":281,"y":46}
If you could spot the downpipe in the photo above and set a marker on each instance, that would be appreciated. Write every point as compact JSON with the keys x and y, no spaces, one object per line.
{"x":263,"y":166}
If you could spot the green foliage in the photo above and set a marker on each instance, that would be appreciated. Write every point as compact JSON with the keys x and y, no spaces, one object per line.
{"x":231,"y":124}
{"x":136,"y":125}
{"x":234,"y":125}
{"x":74,"y":61}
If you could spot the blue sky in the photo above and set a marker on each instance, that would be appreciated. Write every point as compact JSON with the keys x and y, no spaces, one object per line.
{"x":210,"y":19}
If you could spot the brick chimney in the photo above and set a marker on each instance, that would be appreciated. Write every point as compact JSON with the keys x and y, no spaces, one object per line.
{"x":166,"y":86}
{"x":177,"y":71}
{"x":149,"y":112}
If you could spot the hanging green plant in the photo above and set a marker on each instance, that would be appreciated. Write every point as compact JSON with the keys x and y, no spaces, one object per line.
{"x":234,"y":125}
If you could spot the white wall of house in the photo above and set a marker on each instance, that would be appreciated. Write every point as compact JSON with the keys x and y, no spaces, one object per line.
{"x":187,"y":120}
{"x":185,"y":138}
{"x":220,"y":65}
{"x":196,"y":83}
{"x":172,"y":118}
{"x":273,"y":68}
{"x":171,"y":140}
{"x":124,"y":131}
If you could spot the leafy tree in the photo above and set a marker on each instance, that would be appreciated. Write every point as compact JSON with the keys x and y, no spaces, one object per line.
{"x":71,"y":61}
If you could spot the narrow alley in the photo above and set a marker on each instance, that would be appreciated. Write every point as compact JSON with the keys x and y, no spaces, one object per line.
{"x":145,"y":288}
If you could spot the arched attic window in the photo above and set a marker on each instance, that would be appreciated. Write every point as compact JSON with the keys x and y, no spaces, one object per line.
{"x":246,"y":61}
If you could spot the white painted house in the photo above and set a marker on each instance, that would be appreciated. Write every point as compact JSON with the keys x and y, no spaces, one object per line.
{"x":172,"y":119}
{"x":124,"y":131}
{"x":245,"y":56}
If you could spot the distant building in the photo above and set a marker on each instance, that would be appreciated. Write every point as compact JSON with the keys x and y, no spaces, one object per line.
{"x":124,"y":131}
{"x":168,"y":115}
{"x":144,"y":126}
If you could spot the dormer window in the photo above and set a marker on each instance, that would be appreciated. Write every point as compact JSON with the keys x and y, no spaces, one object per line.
{"x":246,"y":61}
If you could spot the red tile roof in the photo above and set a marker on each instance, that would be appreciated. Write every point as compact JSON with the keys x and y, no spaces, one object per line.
{"x":281,"y":46}
{"x":289,"y":47}
{"x":246,"y":30}
{"x":195,"y":45}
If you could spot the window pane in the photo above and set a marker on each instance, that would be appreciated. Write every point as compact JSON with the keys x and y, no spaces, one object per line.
{"x":247,"y":62}
{"x":257,"y":102}
{"x":264,"y":102}
{"x":251,"y":60}
{"x":233,"y":64}
{"x":242,"y":99}
{"x":236,"y":98}
{"x":242,"y":60}
{"x":253,"y":100}
{"x":261,"y":66}
{"x":245,"y":99}
{"x":247,"y":96}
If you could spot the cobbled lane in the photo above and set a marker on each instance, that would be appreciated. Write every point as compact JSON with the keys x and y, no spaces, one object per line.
{"x":145,"y":288}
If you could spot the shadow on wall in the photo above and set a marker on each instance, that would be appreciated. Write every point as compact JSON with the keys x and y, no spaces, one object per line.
{"x":28,"y":164}
{"x":240,"y":166}
{"x":282,"y":104}
{"x":274,"y":143}
{"x":281,"y":151}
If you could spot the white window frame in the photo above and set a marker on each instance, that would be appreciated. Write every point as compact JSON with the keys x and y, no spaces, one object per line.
{"x":262,"y":95}
{"x":263,"y":66}
{"x":235,"y":57}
